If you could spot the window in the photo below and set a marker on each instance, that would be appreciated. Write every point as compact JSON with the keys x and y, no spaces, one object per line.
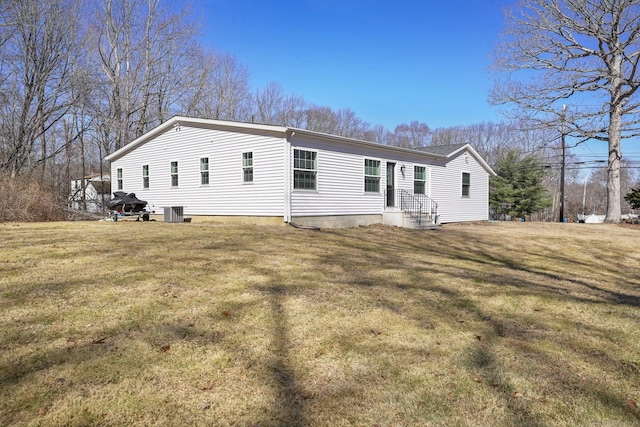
{"x":371,"y":176}
{"x":119,"y":176}
{"x":204,"y":171}
{"x":305,"y":169}
{"x":466,"y":184}
{"x":419,"y":179}
{"x":174,"y":174}
{"x":145,"y":176}
{"x":247,"y":167}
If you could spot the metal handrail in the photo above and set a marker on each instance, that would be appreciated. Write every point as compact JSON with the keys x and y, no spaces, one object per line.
{"x":411,"y":206}
{"x":431,"y":204}
{"x":415,"y":205}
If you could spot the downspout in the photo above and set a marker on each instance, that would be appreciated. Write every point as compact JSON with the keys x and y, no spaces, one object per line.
{"x":287,"y":176}
{"x":288,"y":166}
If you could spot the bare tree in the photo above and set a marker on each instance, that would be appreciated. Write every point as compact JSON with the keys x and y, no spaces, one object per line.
{"x":412,"y":135}
{"x":350,"y":125}
{"x":292,"y":112}
{"x":377,"y":133}
{"x":493,"y":140}
{"x":141,"y":53}
{"x":582,"y":53}
{"x":343,"y":122}
{"x":167,"y":38}
{"x":320,"y":119}
{"x":7,"y":25}
{"x":39,"y":54}
{"x":268,"y":104}
{"x":229,"y":85}
{"x":196,"y":99}
{"x":218,"y":87}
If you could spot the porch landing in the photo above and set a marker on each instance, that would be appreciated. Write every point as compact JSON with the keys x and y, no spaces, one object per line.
{"x":399,"y":218}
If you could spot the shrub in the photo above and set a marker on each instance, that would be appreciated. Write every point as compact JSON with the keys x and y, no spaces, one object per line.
{"x":28,"y":201}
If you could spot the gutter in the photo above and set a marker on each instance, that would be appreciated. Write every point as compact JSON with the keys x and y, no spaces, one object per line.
{"x":370,"y":144}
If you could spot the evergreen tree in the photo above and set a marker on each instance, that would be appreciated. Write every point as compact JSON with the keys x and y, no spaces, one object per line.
{"x":633,"y":198}
{"x":517,"y":189}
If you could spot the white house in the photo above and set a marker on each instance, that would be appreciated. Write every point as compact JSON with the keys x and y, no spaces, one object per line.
{"x":264,"y":173}
{"x":97,"y":191}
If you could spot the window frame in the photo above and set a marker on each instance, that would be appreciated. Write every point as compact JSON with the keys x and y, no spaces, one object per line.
{"x":466,"y":186}
{"x":247,"y":167}
{"x":421,"y":181}
{"x":119,"y":179}
{"x":145,"y":176}
{"x":204,"y":173}
{"x":174,"y":174}
{"x":305,"y":170}
{"x":369,"y":178}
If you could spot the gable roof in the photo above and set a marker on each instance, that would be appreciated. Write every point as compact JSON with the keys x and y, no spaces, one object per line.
{"x":438,"y":152}
{"x":102,"y":187}
{"x":452,"y":150}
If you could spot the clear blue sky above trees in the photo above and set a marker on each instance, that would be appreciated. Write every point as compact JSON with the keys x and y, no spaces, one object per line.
{"x":390,"y":62}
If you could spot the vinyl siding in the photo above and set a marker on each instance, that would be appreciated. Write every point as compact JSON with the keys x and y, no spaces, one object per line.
{"x":339,"y":181}
{"x":447,"y":190}
{"x":226,"y":194}
{"x":340,"y":178}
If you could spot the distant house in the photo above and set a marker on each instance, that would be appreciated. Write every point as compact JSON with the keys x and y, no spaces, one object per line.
{"x":97,"y":191}
{"x":263,"y":173}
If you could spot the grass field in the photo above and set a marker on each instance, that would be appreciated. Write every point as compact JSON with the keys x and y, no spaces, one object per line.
{"x":493,"y":324}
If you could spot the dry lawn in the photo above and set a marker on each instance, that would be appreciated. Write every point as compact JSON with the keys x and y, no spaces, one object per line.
{"x":494,"y":324}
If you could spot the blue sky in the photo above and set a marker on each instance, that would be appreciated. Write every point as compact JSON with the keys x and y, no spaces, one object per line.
{"x":391,"y":62}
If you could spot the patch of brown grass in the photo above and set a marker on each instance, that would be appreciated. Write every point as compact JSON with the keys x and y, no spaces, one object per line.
{"x":203,"y":324}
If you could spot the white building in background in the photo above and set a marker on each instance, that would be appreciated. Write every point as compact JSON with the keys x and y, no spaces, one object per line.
{"x":97,"y":191}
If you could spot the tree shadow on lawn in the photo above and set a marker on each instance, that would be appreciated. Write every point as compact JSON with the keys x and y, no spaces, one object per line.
{"x":386,"y":274}
{"x":65,"y":367}
{"x":290,"y":397}
{"x":476,"y":257}
{"x":481,"y":261}
{"x":484,"y":261}
{"x":433,"y":270}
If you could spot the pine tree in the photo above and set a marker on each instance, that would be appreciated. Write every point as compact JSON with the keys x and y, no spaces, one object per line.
{"x":633,"y":198}
{"x":517,"y":189}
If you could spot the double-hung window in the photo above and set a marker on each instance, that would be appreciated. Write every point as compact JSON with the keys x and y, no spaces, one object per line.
{"x":145,"y":176}
{"x":247,"y":167}
{"x":466,"y":184}
{"x":419,"y":179}
{"x":371,"y":176}
{"x":305,"y":169}
{"x":174,"y":174}
{"x":204,"y":171}
{"x":119,"y":177}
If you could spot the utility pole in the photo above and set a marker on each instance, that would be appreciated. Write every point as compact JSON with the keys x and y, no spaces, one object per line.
{"x":584,"y":194}
{"x":564,"y":111}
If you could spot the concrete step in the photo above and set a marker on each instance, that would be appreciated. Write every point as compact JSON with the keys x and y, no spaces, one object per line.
{"x":427,"y":223}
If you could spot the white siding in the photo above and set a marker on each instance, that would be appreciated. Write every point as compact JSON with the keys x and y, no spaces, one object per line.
{"x":226,"y":194}
{"x":340,"y":173}
{"x":340,"y":178}
{"x":447,"y":190}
